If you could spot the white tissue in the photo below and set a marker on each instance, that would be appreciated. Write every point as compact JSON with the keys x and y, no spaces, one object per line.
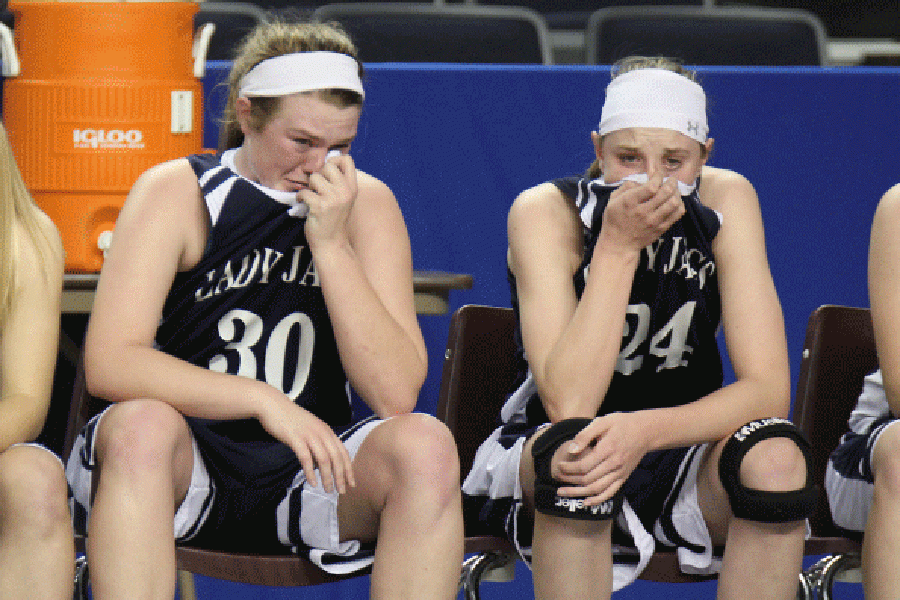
{"x":642,"y":178}
{"x":299,"y":208}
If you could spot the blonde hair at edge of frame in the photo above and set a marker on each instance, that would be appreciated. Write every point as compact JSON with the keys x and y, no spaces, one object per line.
{"x":272,"y":39}
{"x":16,"y":208}
{"x":633,"y":63}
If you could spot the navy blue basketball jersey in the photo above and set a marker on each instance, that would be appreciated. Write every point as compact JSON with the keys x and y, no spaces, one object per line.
{"x":253,"y":306}
{"x":669,"y":354}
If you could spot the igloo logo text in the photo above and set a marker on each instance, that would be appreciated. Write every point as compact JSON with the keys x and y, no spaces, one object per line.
{"x":108,"y":138}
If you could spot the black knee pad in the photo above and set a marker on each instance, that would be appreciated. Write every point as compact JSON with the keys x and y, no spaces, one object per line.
{"x":546,"y":499}
{"x":758,"y":505}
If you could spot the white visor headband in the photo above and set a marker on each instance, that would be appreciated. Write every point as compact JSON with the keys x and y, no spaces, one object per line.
{"x":302,"y":72}
{"x":655,"y":98}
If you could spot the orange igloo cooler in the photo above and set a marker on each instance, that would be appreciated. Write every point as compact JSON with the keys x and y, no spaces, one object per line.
{"x":95,"y":94}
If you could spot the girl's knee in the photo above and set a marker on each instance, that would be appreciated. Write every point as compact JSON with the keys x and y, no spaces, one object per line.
{"x":428,"y":445}
{"x":141,"y":434}
{"x":765,"y":475}
{"x":775,"y":464}
{"x":422,"y":453}
{"x":33,"y":490}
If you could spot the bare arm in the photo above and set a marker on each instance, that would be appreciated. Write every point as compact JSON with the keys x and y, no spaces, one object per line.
{"x":884,"y":291}
{"x":30,"y":336}
{"x":565,"y":339}
{"x":160,"y":230}
{"x":752,"y":322}
{"x":362,"y":254}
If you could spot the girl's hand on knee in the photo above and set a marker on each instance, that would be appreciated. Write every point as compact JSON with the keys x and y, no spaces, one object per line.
{"x":599,"y":460}
{"x":313,"y":442}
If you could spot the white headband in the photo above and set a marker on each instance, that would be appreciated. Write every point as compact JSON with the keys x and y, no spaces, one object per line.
{"x":302,"y":72}
{"x":655,"y":98}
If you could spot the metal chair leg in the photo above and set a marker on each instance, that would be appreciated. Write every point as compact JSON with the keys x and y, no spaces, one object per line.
{"x":81,"y":579}
{"x":840,"y":564}
{"x":805,"y":591}
{"x":814,"y":573}
{"x":474,"y":570}
{"x":825,"y":572}
{"x":186,"y":589}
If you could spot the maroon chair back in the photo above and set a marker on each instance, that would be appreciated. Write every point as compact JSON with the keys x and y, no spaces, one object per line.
{"x":838,"y":353}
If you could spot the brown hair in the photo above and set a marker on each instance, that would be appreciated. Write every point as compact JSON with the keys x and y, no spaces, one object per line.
{"x":275,"y":38}
{"x":633,"y":63}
